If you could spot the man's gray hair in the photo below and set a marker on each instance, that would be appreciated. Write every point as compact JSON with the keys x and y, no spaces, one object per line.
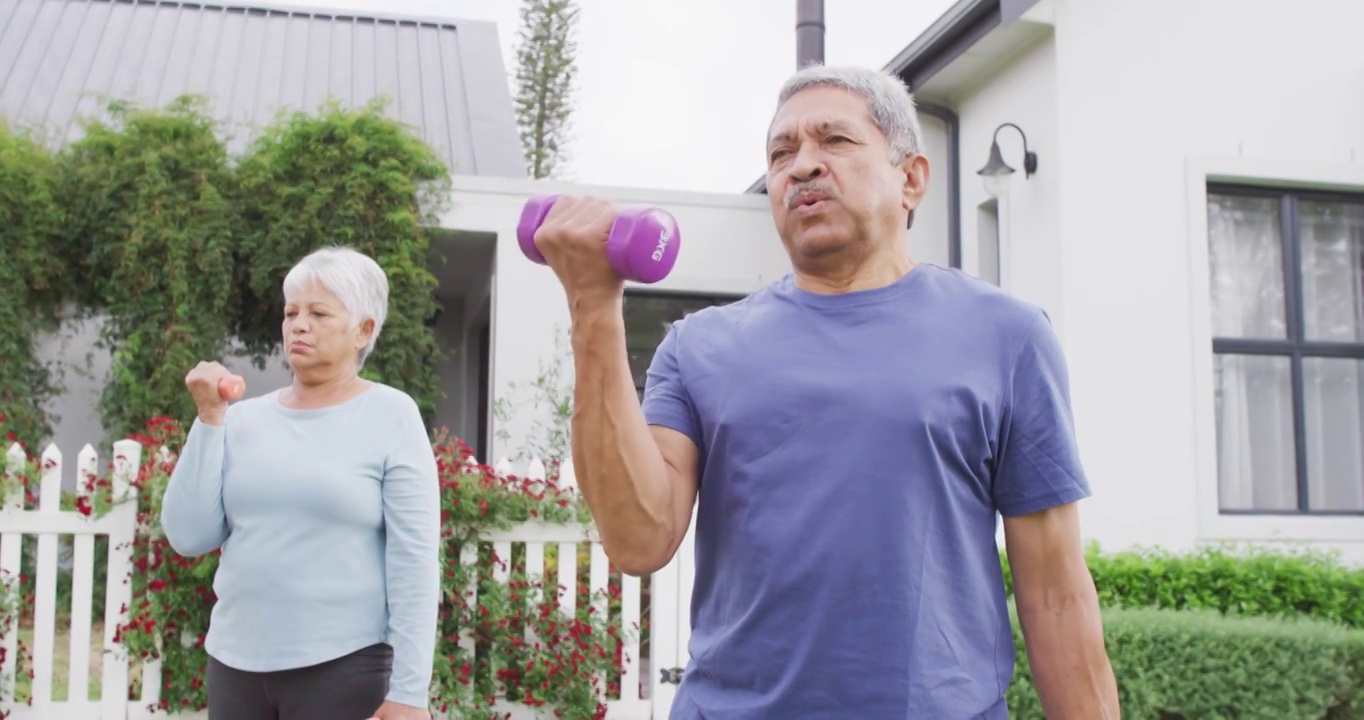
{"x":355,"y":278}
{"x":891,"y":104}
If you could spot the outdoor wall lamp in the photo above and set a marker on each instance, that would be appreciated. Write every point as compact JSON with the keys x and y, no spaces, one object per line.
{"x":995,"y":174}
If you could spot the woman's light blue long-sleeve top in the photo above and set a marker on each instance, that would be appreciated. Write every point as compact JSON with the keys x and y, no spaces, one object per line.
{"x":329,"y":524}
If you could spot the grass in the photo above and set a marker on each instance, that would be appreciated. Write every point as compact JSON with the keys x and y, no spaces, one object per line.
{"x":61,"y":661}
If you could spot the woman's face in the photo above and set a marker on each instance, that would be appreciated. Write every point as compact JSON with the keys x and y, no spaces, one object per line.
{"x":317,"y":331}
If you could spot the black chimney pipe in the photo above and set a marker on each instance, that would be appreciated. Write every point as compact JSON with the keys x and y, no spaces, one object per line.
{"x":809,"y":32}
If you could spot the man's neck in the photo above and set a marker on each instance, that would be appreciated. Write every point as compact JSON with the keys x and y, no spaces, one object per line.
{"x":868,"y":273}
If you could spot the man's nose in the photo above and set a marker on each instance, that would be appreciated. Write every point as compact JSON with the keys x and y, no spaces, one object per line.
{"x":807,"y":165}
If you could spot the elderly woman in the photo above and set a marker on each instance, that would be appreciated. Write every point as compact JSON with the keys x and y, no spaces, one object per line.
{"x":324,"y":499}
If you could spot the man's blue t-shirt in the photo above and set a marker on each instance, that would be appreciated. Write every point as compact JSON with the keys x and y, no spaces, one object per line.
{"x":854,"y":452}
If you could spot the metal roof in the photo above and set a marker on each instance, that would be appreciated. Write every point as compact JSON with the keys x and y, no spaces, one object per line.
{"x":444,"y":78}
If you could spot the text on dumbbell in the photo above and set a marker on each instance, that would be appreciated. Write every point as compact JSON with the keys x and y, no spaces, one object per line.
{"x":663,"y":238}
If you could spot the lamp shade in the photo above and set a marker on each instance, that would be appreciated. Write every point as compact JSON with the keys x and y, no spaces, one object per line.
{"x":995,"y":174}
{"x":995,"y":165}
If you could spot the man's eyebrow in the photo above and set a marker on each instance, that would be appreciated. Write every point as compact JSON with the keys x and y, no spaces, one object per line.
{"x":837,"y":126}
{"x":823,"y":127}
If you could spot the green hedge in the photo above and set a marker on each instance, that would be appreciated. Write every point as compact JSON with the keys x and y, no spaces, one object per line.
{"x":147,"y":222}
{"x":1264,"y":582}
{"x":1187,"y":664}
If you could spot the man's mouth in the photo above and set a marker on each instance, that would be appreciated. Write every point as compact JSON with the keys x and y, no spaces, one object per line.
{"x":808,"y":202}
{"x":806,"y":196}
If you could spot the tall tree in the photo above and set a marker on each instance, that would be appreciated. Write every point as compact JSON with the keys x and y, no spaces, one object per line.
{"x":545,"y":75}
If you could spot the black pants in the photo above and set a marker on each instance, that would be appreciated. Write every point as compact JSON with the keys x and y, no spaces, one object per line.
{"x":351,"y":687}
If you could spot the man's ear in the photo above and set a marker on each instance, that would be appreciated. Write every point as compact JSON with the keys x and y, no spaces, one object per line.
{"x":916,"y":173}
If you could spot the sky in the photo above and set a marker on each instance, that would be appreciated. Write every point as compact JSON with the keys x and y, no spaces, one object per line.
{"x":677,"y":94}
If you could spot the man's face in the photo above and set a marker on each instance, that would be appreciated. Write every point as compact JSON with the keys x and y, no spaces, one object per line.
{"x":830,"y":179}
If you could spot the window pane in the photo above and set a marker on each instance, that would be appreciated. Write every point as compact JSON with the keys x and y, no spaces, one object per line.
{"x":1332,"y":270}
{"x":1255,"y":459}
{"x":1333,"y":394}
{"x":647,"y":319}
{"x":1246,"y":258}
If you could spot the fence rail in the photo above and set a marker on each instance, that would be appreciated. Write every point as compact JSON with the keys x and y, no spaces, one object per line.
{"x":644,"y":693}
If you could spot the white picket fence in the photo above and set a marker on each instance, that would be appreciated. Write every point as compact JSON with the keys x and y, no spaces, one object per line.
{"x":646,"y":690}
{"x":47,"y":523}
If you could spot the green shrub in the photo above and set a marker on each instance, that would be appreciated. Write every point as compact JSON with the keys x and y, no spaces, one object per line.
{"x":351,"y":176}
{"x":1187,"y":664}
{"x":147,"y":223}
{"x":151,"y":238}
{"x":31,"y":281}
{"x":1254,"y":581}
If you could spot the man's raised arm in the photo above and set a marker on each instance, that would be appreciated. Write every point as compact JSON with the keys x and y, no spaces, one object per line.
{"x":639,"y":482}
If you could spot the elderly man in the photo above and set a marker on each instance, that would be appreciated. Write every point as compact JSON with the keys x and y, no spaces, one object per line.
{"x":848,"y":436}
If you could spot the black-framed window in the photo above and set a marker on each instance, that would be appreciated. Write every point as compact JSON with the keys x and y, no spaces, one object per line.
{"x":1287,"y":286}
{"x":649,"y":314}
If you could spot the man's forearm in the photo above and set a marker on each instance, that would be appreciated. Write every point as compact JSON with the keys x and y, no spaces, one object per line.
{"x":1070,"y":666}
{"x":620,"y":470}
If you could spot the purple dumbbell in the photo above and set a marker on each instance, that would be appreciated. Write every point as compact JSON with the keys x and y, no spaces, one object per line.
{"x":642,"y":245}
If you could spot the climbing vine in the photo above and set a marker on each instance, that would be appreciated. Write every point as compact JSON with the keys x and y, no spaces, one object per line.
{"x":30,"y":279}
{"x":153,"y":229}
{"x":354,"y":178}
{"x":176,"y":249}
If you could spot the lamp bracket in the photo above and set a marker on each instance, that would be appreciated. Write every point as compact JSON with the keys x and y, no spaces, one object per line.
{"x":1029,"y":157}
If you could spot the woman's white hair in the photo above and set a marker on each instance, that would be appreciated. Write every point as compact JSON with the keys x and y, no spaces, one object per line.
{"x":355,"y":278}
{"x":888,"y":100}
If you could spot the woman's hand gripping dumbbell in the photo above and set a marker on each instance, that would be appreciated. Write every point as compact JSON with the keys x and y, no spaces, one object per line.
{"x":583,"y":239}
{"x":212,"y":386}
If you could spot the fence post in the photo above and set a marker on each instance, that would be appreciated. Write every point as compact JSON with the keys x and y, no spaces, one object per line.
{"x":118,"y":594}
{"x":45,"y":580}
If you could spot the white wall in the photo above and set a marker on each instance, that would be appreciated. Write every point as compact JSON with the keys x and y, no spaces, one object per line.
{"x":1023,"y":93}
{"x":1147,"y":99}
{"x":729,"y":245}
{"x":928,"y":239}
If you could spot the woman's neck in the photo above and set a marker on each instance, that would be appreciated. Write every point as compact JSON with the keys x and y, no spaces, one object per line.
{"x":310,"y":392}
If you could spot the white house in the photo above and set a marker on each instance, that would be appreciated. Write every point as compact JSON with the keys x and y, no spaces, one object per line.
{"x":1198,"y":242}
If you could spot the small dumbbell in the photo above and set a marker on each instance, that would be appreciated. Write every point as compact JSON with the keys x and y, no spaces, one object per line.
{"x":231,"y":387}
{"x":642,"y":245}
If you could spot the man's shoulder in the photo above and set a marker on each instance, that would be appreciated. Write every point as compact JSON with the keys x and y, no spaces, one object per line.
{"x":983,"y":305}
{"x":717,"y":317}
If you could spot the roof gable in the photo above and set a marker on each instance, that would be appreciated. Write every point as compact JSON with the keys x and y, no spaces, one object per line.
{"x":443,"y":78}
